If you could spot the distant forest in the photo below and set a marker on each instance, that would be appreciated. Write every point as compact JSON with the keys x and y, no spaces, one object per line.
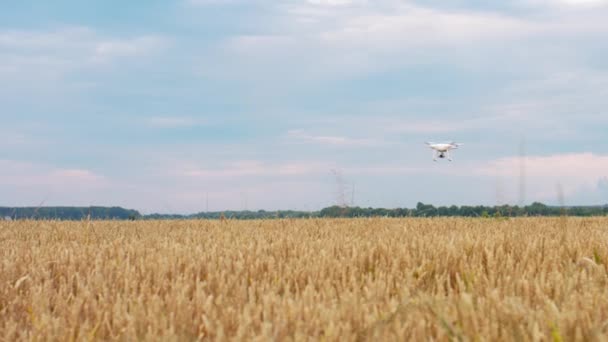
{"x":69,"y":213}
{"x":421,"y":210}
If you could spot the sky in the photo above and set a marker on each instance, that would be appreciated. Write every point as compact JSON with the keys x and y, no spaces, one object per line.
{"x":194,"y":105}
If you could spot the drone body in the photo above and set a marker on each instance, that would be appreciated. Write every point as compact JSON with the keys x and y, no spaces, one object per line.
{"x":442,"y":150}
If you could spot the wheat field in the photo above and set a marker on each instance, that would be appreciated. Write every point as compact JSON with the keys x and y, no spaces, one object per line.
{"x":375,"y":279}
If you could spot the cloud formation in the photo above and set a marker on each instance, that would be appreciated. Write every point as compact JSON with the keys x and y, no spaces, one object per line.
{"x":36,"y":54}
{"x":331,"y":140}
{"x":573,"y":172}
{"x":265,"y":98}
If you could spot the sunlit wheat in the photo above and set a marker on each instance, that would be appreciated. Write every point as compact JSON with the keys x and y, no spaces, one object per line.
{"x":319,"y":279}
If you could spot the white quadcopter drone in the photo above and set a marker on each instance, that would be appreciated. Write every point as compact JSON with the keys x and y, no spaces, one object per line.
{"x":442,"y":150}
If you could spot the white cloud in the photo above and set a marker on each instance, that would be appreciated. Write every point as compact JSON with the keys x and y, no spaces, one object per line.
{"x":566,"y":4}
{"x":254,"y":168}
{"x":331,"y":2}
{"x":330,"y":140}
{"x":490,"y":117}
{"x":111,"y":49}
{"x":417,"y":26}
{"x":13,"y":139}
{"x":323,"y":40}
{"x":429,"y":126}
{"x":25,"y":174}
{"x":30,"y":183}
{"x":43,"y":70}
{"x":254,"y":184}
{"x":385,"y":170}
{"x":584,"y":2}
{"x":574,"y":85}
{"x":574,"y":172}
{"x":209,"y":2}
{"x":74,"y":175}
{"x":391,"y":26}
{"x":318,"y":42}
{"x":295,"y":170}
{"x":30,"y":54}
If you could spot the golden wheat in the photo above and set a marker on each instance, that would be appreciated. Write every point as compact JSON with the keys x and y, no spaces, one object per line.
{"x":319,"y":279}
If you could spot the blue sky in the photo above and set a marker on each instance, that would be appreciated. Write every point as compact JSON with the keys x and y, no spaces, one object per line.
{"x":264,"y":104}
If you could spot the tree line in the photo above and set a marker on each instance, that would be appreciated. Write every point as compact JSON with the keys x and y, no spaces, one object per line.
{"x":421,"y":210}
{"x":69,"y":213}
{"x":428,"y":210}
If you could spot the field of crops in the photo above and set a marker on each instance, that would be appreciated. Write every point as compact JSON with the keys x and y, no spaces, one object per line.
{"x":319,"y":279}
